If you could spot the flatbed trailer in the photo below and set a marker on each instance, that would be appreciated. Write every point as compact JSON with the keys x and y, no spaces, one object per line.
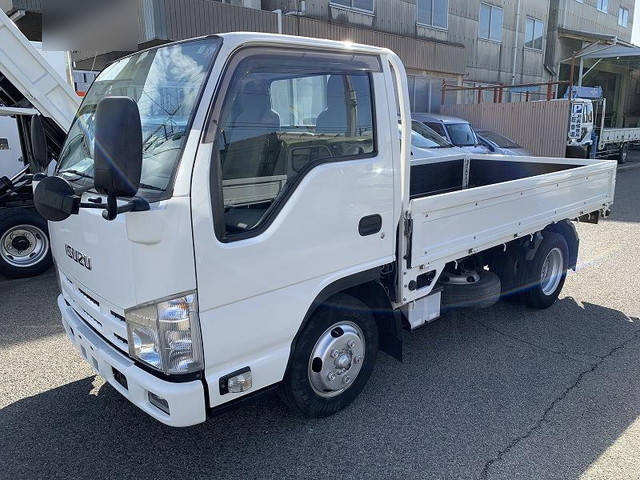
{"x":294,"y":236}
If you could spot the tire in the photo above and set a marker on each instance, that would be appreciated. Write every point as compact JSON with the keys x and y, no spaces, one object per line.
{"x":623,"y":153}
{"x":331,"y":329}
{"x":25,"y":249}
{"x":542,"y":293}
{"x":481,"y":294}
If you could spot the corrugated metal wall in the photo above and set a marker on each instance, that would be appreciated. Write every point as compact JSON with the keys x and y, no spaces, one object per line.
{"x":540,"y":127}
{"x":173,"y":20}
{"x":415,"y":53}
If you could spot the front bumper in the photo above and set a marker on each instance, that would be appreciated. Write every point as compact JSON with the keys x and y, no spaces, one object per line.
{"x":185,"y":399}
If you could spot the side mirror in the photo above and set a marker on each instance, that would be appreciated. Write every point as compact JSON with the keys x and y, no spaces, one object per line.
{"x":117,"y":166}
{"x":118,"y":147}
{"x":55,"y":199}
{"x":39,"y":151}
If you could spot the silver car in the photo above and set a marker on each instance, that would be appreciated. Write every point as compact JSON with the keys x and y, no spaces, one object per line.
{"x":500,"y":144}
{"x":455,"y":130}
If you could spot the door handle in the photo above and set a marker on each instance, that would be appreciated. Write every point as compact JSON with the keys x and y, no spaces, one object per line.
{"x":370,"y":225}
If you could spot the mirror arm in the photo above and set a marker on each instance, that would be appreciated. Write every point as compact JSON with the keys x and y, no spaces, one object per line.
{"x":136,"y":204}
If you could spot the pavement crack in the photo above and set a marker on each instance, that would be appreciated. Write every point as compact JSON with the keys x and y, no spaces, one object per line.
{"x":535,"y":345}
{"x":543,"y":418}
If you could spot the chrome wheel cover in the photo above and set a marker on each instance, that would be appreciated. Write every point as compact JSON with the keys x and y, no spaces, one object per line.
{"x":552,"y":271}
{"x":24,"y":246}
{"x":336,"y":359}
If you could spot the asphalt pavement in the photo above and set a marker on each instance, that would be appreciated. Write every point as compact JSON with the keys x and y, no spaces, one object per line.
{"x":502,"y":393}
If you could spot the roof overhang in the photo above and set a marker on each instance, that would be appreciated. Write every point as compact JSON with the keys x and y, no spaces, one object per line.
{"x":600,"y":46}
{"x":612,"y":51}
{"x":587,"y":36}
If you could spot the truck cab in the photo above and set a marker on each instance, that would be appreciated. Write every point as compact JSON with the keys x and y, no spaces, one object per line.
{"x":581,"y":124}
{"x":236,"y":213}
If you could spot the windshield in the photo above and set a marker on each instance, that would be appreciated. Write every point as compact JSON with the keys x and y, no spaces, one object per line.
{"x":423,"y":137}
{"x":165,"y":83}
{"x":499,"y":140}
{"x":461,"y":134}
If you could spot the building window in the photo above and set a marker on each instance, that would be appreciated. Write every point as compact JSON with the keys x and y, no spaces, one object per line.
{"x":623,"y":17}
{"x":364,"y":5}
{"x":533,"y":34}
{"x":603,"y":5}
{"x":490,"y":24}
{"x":434,"y":13}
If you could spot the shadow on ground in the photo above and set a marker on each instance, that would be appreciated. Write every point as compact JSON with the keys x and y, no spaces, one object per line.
{"x":472,"y":390}
{"x":28,"y":296}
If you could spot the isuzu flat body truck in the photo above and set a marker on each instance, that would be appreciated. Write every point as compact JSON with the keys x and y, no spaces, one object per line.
{"x":237,"y":212}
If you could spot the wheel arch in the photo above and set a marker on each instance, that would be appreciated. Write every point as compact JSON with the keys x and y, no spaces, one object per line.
{"x":568,"y":231}
{"x":366,"y":287}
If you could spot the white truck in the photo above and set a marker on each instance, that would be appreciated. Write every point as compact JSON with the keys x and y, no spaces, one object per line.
{"x":237,"y":212}
{"x":587,"y":116}
{"x":32,"y":89}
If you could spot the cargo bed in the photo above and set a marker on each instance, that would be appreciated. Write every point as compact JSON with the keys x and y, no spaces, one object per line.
{"x":490,"y":200}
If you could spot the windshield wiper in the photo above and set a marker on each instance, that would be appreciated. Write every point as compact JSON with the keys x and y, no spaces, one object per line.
{"x":76,"y":172}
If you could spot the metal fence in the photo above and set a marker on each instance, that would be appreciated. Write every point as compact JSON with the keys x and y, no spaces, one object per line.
{"x":540,"y":127}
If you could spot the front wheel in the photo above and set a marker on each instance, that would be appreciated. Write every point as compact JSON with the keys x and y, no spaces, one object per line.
{"x":332,"y":359}
{"x":546,"y":272}
{"x":24,"y":243}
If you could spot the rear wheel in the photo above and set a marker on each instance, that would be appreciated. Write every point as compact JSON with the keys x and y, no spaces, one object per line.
{"x":24,"y":243}
{"x":332,"y":359}
{"x":623,"y":153}
{"x":545,"y":274}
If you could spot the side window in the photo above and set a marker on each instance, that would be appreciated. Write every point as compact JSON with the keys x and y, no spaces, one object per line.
{"x":281,"y":116}
{"x":439,"y":129}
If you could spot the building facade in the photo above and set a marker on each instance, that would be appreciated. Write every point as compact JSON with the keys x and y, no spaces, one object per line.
{"x":470,"y":42}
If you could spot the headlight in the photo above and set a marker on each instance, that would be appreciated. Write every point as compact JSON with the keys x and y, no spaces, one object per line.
{"x":166,"y":335}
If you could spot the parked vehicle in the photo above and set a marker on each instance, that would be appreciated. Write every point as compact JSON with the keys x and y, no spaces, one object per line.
{"x":455,"y":130}
{"x":27,"y":80}
{"x":589,"y":138}
{"x":499,"y":144}
{"x":267,"y":234}
{"x":426,"y":143}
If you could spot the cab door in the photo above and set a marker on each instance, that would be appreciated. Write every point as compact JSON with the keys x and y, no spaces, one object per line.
{"x":293,"y":189}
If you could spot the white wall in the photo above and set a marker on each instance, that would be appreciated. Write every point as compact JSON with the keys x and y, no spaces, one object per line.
{"x":9,"y":159}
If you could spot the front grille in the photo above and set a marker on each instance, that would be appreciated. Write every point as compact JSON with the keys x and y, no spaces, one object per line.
{"x":89,"y":297}
{"x":105,"y":318}
{"x":84,"y":315}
